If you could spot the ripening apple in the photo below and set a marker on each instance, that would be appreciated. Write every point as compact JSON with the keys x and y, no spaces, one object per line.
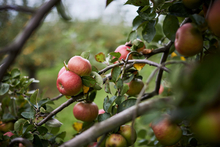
{"x":192,"y":4}
{"x":128,"y":133}
{"x":214,"y":19}
{"x":80,"y":66}
{"x":189,"y":40}
{"x":122,"y":49}
{"x":116,"y":140}
{"x":85,"y":111}
{"x":207,"y":126}
{"x":69,"y":83}
{"x":9,"y":134}
{"x":135,"y":87}
{"x":167,"y":133}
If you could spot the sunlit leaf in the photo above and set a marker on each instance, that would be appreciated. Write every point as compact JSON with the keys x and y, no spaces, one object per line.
{"x":100,"y":57}
{"x":77,"y":126}
{"x":115,"y":73}
{"x":139,"y":66}
{"x":85,"y":89}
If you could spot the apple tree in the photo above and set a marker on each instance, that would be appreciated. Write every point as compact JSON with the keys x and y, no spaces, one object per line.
{"x":182,"y":108}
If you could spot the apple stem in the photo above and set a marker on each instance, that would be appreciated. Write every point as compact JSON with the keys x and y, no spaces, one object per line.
{"x":65,"y":65}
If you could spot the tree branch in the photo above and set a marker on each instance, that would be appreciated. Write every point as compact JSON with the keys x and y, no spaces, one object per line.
{"x":18,"y":8}
{"x":117,"y":120}
{"x":24,"y":141}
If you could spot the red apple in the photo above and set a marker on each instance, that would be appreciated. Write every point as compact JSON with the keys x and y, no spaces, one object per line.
{"x":167,"y":133}
{"x":101,"y":111}
{"x":61,"y":71}
{"x":126,"y":131}
{"x":122,"y":49}
{"x":69,"y":83}
{"x":214,"y":18}
{"x":135,"y":87}
{"x":189,"y":40}
{"x":9,"y":134}
{"x":161,"y":89}
{"x":85,"y":111}
{"x":116,"y":140}
{"x":192,"y":4}
{"x":80,"y":66}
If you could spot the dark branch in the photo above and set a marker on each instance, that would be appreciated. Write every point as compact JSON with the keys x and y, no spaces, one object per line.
{"x":18,"y":8}
{"x":17,"y":140}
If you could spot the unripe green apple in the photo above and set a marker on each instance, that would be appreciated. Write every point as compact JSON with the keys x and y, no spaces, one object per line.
{"x":116,"y":140}
{"x":207,"y":126}
{"x":69,"y":83}
{"x":122,"y":49}
{"x":192,"y":4}
{"x":189,"y":40}
{"x":135,"y":87}
{"x":167,"y":133}
{"x":80,"y":66}
{"x":85,"y":111}
{"x":214,"y":18}
{"x":126,"y":131}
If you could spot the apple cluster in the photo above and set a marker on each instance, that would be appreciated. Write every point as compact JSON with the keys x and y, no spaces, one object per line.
{"x":69,"y":80}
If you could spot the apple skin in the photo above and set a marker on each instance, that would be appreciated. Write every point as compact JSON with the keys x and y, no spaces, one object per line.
{"x":9,"y":134}
{"x":189,"y":40}
{"x":214,"y":19}
{"x":61,"y":71}
{"x":80,"y":66}
{"x":135,"y":87}
{"x":69,"y":83}
{"x":126,"y":131}
{"x":161,"y":89}
{"x":101,"y":111}
{"x":166,"y":132}
{"x":85,"y":111}
{"x":116,"y":140}
{"x":192,"y":4}
{"x":122,"y":49}
{"x":207,"y":126}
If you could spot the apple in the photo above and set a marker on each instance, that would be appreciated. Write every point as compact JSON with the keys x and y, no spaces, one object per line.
{"x":9,"y":134}
{"x":207,"y":126}
{"x":214,"y":19}
{"x":122,"y":49}
{"x":101,"y":111}
{"x":135,"y":87}
{"x":80,"y":66}
{"x":116,"y":140}
{"x":69,"y":83}
{"x":61,"y":71}
{"x":85,"y":111}
{"x":189,"y":40}
{"x":7,"y":126}
{"x":161,"y":89}
{"x":126,"y":131}
{"x":166,"y":132}
{"x":192,"y":4}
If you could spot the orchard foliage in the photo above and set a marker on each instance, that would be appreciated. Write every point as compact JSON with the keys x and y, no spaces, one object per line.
{"x":186,"y":86}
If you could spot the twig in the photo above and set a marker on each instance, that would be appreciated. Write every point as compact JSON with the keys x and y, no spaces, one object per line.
{"x":56,"y":98}
{"x":18,"y":8}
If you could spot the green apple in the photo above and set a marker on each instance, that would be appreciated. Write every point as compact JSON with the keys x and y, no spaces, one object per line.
{"x":135,"y":87}
{"x":126,"y":131}
{"x":189,"y":40}
{"x":116,"y":140}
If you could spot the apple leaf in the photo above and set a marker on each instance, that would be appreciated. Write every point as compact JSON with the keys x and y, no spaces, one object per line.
{"x":102,"y":117}
{"x":115,"y":73}
{"x":107,"y":87}
{"x":124,"y":89}
{"x":139,"y":66}
{"x":42,"y":130}
{"x":126,"y":104}
{"x":170,"y":26}
{"x":179,"y":10}
{"x":132,"y":35}
{"x":198,"y":19}
{"x":149,"y":31}
{"x":15,"y":73}
{"x":85,"y":89}
{"x":18,"y":125}
{"x":53,"y":123}
{"x":88,"y":81}
{"x":27,"y":127}
{"x":119,"y":83}
{"x":115,"y":54}
{"x":77,"y":126}
{"x":28,"y":115}
{"x":33,"y":98}
{"x":100,"y":57}
{"x":98,"y":79}
{"x":107,"y":105}
{"x":85,"y":54}
{"x":4,"y":88}
{"x":92,"y":95}
{"x":136,"y":23}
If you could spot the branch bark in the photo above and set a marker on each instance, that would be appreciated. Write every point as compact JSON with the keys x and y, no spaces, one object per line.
{"x":117,"y":120}
{"x":18,"y":8}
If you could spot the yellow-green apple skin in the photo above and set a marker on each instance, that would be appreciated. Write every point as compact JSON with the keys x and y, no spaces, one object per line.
{"x":192,"y":4}
{"x":135,"y":87}
{"x":69,"y":83}
{"x":85,"y":111}
{"x":188,"y":40}
{"x":80,"y":66}
{"x":214,"y":18}
{"x":167,"y":133}
{"x":128,"y":133}
{"x":116,"y":140}
{"x":207,"y":126}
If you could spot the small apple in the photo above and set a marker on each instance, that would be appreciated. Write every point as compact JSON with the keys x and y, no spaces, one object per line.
{"x":85,"y":111}
{"x":80,"y":66}
{"x":192,"y":4}
{"x":9,"y":134}
{"x":7,"y":126}
{"x":135,"y":87}
{"x":101,"y":111}
{"x":167,"y":133}
{"x":189,"y":40}
{"x":116,"y":140}
{"x":207,"y":126}
{"x":122,"y":49}
{"x":69,"y":83}
{"x":61,"y":71}
{"x":126,"y":131}
{"x":214,"y":19}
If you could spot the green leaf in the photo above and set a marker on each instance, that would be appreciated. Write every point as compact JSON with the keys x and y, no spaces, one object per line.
{"x":29,"y":136}
{"x":170,"y":26}
{"x":8,"y":117}
{"x":98,"y":79}
{"x":137,"y":21}
{"x":28,"y":115}
{"x":139,"y":2}
{"x":119,"y":83}
{"x":100,"y":57}
{"x":43,"y":102}
{"x":124,"y":90}
{"x":33,"y":98}
{"x":37,"y":141}
{"x":146,"y":13}
{"x":115,"y":73}
{"x":61,"y":135}
{"x":4,"y":88}
{"x":132,"y":35}
{"x":92,"y":95}
{"x":15,"y":73}
{"x":104,"y":116}
{"x":126,"y":104}
{"x":85,"y":54}
{"x":115,"y":54}
{"x":107,"y":87}
{"x":198,"y":19}
{"x":18,"y":125}
{"x":53,"y":123}
{"x":42,"y":130}
{"x":142,"y":133}
{"x":179,"y":10}
{"x":149,"y":31}
{"x":88,"y":81}
{"x":120,"y":99}
{"x":107,"y":105}
{"x":27,"y":127}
